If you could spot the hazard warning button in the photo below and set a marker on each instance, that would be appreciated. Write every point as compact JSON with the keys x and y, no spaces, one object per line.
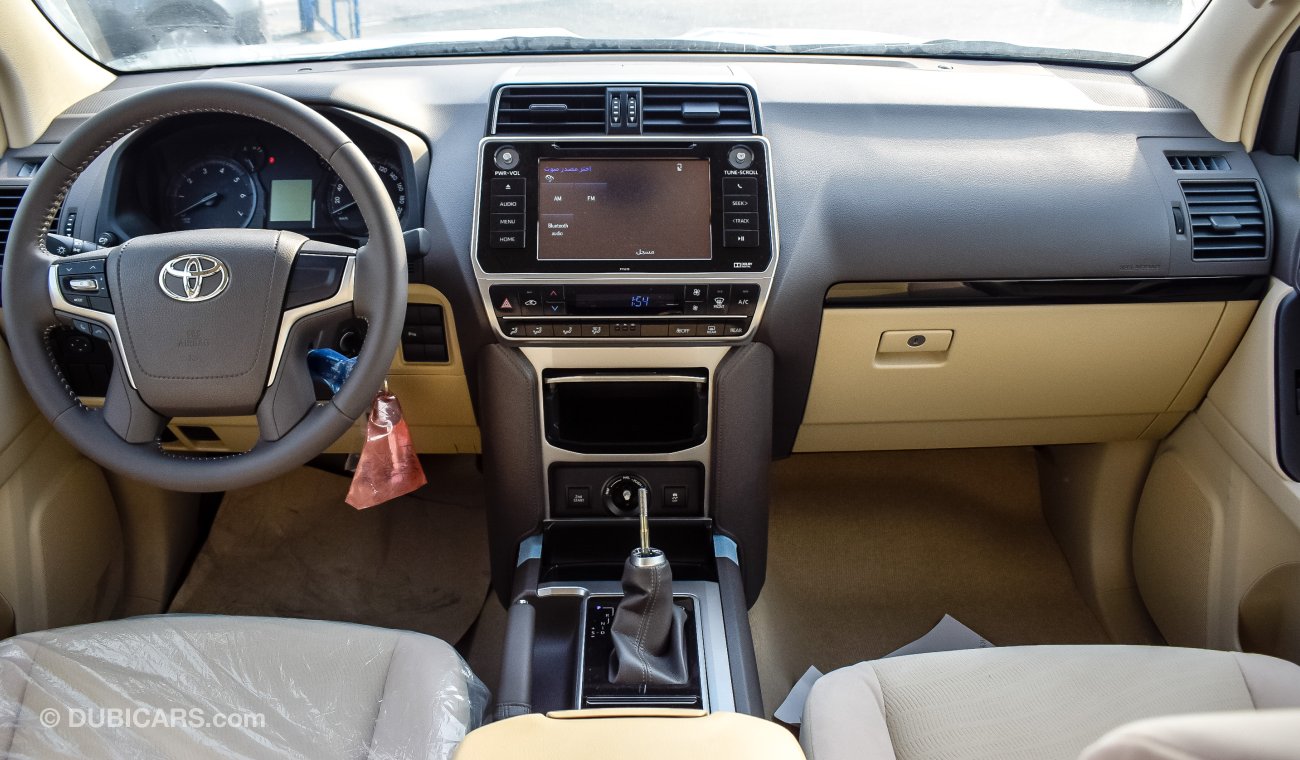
{"x":505,"y":300}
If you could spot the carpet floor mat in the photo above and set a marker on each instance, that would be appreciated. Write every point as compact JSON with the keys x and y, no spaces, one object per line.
{"x":868,"y":551}
{"x":293,"y":548}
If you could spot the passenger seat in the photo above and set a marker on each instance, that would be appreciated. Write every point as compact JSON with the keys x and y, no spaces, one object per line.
{"x":1040,"y":702}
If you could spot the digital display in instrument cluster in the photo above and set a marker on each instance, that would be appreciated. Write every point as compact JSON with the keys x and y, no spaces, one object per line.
{"x":624,"y":209}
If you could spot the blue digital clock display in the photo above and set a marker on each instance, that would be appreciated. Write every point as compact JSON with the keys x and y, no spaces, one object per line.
{"x":628,"y":299}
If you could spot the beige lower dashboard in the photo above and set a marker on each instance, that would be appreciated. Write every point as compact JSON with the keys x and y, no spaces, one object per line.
{"x":1013,"y":375}
{"x":435,"y":401}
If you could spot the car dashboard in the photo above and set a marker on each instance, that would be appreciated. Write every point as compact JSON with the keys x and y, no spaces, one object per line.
{"x":870,"y":220}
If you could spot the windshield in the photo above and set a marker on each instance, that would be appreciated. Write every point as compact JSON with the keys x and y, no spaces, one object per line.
{"x":134,"y":35}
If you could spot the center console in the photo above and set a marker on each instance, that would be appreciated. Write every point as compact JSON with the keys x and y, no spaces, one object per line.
{"x":625,"y":241}
{"x":634,"y":240}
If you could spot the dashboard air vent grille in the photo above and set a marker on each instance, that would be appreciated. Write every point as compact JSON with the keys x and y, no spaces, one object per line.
{"x":1197,"y":163}
{"x":1228,"y":219}
{"x":551,"y":110}
{"x":9,"y":198}
{"x":706,"y":109}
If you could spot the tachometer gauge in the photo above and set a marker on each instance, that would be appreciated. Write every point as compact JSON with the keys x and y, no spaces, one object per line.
{"x":212,"y":192}
{"x":342,"y":207}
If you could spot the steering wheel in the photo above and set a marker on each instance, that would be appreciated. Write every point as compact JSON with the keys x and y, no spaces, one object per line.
{"x":204,"y":322}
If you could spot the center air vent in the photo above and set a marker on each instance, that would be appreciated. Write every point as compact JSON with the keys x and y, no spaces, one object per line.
{"x":551,"y":111}
{"x":1228,"y":219}
{"x":598,"y":110}
{"x":702,"y":109}
{"x":1188,"y":162}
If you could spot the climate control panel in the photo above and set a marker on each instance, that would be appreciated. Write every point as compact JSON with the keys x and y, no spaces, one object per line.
{"x":568,"y":312}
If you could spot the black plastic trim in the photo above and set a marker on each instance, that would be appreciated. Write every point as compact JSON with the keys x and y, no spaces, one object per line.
{"x":1053,"y":292}
{"x":740,"y":640}
{"x":1287,"y":379}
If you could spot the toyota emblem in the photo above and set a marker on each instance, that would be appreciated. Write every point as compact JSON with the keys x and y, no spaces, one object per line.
{"x":193,"y":278}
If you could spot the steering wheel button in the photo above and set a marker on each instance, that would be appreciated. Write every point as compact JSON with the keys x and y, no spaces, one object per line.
{"x":83,"y":284}
{"x":77,"y":299}
{"x":81,"y":326}
{"x":102,"y":303}
{"x":98,"y":332}
{"x":82,"y":266}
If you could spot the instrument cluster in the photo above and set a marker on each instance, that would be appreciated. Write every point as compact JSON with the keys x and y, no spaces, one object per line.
{"x":233,"y":172}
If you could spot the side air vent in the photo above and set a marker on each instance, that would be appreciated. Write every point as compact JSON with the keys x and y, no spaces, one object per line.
{"x":551,"y":110}
{"x":1228,"y":219}
{"x":708,"y":109}
{"x":1197,"y":163}
{"x":9,"y":198}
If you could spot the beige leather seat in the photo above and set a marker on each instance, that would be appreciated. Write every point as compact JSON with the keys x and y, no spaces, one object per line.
{"x":212,"y":686}
{"x":1044,"y":703}
{"x":1247,"y":735}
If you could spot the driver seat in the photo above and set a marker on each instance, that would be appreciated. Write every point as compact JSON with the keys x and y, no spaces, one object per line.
{"x":209,"y":685}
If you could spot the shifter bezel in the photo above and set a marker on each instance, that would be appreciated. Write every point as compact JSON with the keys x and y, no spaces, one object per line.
{"x":595,"y":645}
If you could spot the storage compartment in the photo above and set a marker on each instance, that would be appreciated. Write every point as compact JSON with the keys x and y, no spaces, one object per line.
{"x":602,"y":412}
{"x":950,"y":377}
{"x":600,"y":734}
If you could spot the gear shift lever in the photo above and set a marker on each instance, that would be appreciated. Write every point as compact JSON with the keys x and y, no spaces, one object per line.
{"x":648,"y":629}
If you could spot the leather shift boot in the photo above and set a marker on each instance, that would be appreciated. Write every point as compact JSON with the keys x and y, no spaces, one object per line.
{"x":649,"y":629}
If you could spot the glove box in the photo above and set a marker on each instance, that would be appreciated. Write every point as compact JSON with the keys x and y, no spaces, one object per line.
{"x":962,"y":376}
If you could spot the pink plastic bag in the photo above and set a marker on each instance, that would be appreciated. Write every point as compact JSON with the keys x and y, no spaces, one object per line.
{"x":389,"y":466}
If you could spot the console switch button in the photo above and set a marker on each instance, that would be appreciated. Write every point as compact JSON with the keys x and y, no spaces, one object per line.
{"x":676,"y":498}
{"x":740,"y":238}
{"x":578,"y":498}
{"x":744,"y":299}
{"x":740,"y":186}
{"x":509,"y":186}
{"x":508,"y":239}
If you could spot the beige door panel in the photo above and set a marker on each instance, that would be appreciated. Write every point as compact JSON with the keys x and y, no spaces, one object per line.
{"x":1217,"y":533}
{"x":1013,"y":375}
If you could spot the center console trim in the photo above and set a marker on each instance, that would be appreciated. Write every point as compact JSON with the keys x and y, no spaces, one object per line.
{"x":711,"y":637}
{"x":762,"y":278}
{"x":624,"y":358}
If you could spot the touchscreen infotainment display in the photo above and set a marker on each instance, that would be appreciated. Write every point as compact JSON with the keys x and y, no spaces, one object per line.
{"x":623,"y":209}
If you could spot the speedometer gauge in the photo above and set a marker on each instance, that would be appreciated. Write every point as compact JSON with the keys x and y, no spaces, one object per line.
{"x":342,"y":207}
{"x":212,"y":192}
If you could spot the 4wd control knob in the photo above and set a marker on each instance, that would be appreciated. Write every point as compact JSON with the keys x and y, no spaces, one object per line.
{"x":621,"y":494}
